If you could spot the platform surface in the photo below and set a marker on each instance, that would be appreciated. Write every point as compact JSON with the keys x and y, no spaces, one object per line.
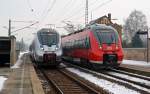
{"x":23,"y":80}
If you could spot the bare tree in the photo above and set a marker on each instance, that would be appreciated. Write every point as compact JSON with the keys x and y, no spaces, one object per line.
{"x":136,"y":21}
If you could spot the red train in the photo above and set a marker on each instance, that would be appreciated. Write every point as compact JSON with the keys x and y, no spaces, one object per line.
{"x":96,"y":46}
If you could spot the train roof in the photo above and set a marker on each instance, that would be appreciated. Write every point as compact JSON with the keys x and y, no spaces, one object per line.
{"x":47,"y":30}
{"x":99,"y":26}
{"x":93,"y":27}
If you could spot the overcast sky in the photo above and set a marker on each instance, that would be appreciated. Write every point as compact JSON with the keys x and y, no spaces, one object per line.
{"x":55,"y":11}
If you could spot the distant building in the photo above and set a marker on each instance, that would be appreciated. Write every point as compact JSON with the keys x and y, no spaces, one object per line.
{"x":108,"y":21}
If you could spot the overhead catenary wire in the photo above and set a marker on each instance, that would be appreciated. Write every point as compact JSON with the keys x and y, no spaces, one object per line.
{"x":34,"y":15}
{"x":80,"y":10}
{"x":46,"y":7}
{"x":68,"y":3}
{"x":49,"y":10}
{"x":23,"y":21}
{"x":66,"y":8}
{"x":49,"y":5}
{"x":102,"y":4}
{"x":25,"y":27}
{"x":76,"y":9}
{"x":29,"y":4}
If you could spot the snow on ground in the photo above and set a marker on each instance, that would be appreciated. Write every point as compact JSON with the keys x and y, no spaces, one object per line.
{"x":137,"y":63}
{"x":63,"y":65}
{"x":107,"y":85}
{"x":131,"y":78}
{"x":19,"y":61}
{"x":2,"y":80}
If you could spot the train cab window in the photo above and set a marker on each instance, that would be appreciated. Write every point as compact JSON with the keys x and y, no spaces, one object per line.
{"x":48,"y":38}
{"x":107,"y":36}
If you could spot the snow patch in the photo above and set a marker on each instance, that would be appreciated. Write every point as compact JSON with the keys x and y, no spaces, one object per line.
{"x":19,"y":61}
{"x":63,"y":65}
{"x":2,"y":80}
{"x":107,"y":85}
{"x":146,"y":82}
{"x":137,"y":63}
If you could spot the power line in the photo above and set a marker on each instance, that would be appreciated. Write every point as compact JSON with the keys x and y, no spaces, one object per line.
{"x":67,"y":5}
{"x":78,"y":12}
{"x":42,"y":14}
{"x":29,"y":4}
{"x":23,"y":21}
{"x":44,"y":17}
{"x":25,"y":27}
{"x":77,"y":8}
{"x":48,"y":3}
{"x":104,"y":3}
{"x":53,"y":3}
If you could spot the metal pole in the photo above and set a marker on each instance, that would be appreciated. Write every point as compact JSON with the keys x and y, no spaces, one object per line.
{"x":9,"y":28}
{"x":86,"y":13}
{"x":147,"y":47}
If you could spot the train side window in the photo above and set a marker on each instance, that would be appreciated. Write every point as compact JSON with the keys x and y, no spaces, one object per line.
{"x":87,"y":42}
{"x":80,"y":44}
{"x":75,"y":44}
{"x":84,"y":43}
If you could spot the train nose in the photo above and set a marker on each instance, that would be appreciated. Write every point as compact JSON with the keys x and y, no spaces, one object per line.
{"x":110,"y":59}
{"x":49,"y":57}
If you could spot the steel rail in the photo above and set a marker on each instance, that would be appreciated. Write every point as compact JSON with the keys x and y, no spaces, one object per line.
{"x":80,"y":82}
{"x":128,"y":80}
{"x":58,"y":87}
{"x":58,"y":90}
{"x":132,"y":74}
{"x":111,"y":78}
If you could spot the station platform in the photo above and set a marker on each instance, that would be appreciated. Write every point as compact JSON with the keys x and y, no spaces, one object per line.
{"x":23,"y":80}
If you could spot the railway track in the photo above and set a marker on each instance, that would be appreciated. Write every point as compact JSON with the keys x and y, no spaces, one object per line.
{"x":142,"y":86}
{"x":144,"y":73}
{"x":131,"y":74}
{"x":129,"y":77}
{"x":64,"y":83}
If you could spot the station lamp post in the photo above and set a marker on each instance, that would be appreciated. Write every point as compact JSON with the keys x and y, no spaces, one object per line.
{"x":145,"y":32}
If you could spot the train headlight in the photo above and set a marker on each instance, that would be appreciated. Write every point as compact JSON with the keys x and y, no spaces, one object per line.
{"x":41,"y":47}
{"x":100,"y":46}
{"x":56,"y":48}
{"x":117,"y":47}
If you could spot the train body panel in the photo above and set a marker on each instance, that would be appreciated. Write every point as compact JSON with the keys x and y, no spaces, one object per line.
{"x":46,"y":47}
{"x":99,"y":44}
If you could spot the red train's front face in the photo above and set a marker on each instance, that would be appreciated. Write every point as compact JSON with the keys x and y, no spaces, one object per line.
{"x":109,"y":46}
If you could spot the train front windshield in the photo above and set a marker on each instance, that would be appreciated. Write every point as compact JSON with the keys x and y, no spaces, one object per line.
{"x":107,"y":36}
{"x":48,"y":38}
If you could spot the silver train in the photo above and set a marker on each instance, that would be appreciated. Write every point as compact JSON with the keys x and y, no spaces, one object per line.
{"x":46,"y":47}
